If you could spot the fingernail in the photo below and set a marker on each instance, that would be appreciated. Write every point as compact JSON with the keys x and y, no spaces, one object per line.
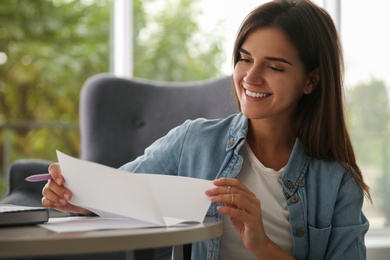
{"x":58,"y":180}
{"x":62,"y":202}
{"x":66,"y":196}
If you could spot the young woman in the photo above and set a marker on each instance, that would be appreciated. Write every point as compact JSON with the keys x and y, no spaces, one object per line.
{"x":287,"y":182}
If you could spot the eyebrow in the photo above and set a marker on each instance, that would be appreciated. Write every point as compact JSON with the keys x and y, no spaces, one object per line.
{"x":278,"y":59}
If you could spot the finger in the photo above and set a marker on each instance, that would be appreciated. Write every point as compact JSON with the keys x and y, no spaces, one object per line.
{"x":240,"y":215}
{"x":56,"y":193}
{"x":219,"y":190}
{"x":46,"y":202}
{"x":250,"y":204}
{"x":228,"y":191}
{"x":236,"y":187}
{"x":233,"y":212}
{"x":55,"y":172}
{"x":226,"y":182}
{"x":60,"y":190}
{"x":65,"y":208}
{"x":50,"y":203}
{"x":236,"y":200}
{"x":52,"y":196}
{"x":227,"y":199}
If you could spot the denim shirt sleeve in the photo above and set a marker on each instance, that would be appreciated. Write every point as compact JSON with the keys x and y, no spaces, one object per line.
{"x":337,"y":229}
{"x":349,"y":225}
{"x":163,"y":156}
{"x":197,"y":149}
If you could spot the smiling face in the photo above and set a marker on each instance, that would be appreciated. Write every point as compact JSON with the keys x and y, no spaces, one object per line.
{"x":269,"y":77}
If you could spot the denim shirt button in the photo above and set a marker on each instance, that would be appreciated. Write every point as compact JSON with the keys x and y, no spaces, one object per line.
{"x":231,"y":143}
{"x":294,"y":199}
{"x":300,"y":232}
{"x":301,"y":184}
{"x":290,"y":184}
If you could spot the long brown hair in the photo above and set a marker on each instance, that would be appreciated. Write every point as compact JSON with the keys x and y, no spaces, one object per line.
{"x":321,"y":122}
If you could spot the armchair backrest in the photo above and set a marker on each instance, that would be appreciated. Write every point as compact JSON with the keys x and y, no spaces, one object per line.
{"x":120,"y":117}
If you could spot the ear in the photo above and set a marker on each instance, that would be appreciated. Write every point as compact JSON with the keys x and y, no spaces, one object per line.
{"x":312,"y":81}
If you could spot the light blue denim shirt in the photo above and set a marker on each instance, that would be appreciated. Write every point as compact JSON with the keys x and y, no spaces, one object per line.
{"x":323,"y":199}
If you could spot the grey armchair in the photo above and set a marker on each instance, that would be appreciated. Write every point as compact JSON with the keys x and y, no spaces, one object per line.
{"x":120,"y":117}
{"x":21,"y":192}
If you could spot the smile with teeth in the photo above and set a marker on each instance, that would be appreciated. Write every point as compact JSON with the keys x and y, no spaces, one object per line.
{"x":256,"y":95}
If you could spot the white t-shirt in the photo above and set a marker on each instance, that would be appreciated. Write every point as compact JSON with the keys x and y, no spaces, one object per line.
{"x":264,"y":183}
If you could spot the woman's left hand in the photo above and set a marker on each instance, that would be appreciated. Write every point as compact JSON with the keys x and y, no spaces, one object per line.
{"x":244,"y":209}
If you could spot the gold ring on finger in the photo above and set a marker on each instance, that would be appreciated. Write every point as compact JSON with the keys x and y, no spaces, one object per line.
{"x":228,"y":189}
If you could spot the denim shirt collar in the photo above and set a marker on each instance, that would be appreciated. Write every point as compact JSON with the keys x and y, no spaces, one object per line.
{"x":237,"y":132}
{"x":294,"y":174}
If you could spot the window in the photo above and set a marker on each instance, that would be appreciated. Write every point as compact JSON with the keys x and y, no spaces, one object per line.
{"x":366,"y":54}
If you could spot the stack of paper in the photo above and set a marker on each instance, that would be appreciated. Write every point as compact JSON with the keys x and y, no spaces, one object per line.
{"x":126,"y":200}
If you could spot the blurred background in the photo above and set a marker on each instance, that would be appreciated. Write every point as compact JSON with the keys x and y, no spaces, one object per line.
{"x":48,"y":48}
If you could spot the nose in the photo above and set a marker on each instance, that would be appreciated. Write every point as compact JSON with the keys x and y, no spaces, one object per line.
{"x":254,"y":76}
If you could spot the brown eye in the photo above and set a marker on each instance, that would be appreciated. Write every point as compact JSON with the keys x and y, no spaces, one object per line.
{"x":275,"y":69}
{"x":244,"y":60}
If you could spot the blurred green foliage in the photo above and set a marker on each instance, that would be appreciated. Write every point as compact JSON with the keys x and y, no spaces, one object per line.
{"x":369,"y":116}
{"x":369,"y":112}
{"x":53,"y":46}
{"x":170,"y":47}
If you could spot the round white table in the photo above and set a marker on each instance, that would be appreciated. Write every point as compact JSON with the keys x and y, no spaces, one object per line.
{"x":37,"y":241}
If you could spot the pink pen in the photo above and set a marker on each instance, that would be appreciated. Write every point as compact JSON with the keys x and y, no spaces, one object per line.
{"x":38,"y":177}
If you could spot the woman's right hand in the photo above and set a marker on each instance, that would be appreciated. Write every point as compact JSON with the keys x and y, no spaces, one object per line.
{"x":55,"y":195}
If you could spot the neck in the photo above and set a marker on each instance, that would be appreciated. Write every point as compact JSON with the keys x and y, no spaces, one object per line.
{"x":271,"y":143}
{"x":263,"y":133}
